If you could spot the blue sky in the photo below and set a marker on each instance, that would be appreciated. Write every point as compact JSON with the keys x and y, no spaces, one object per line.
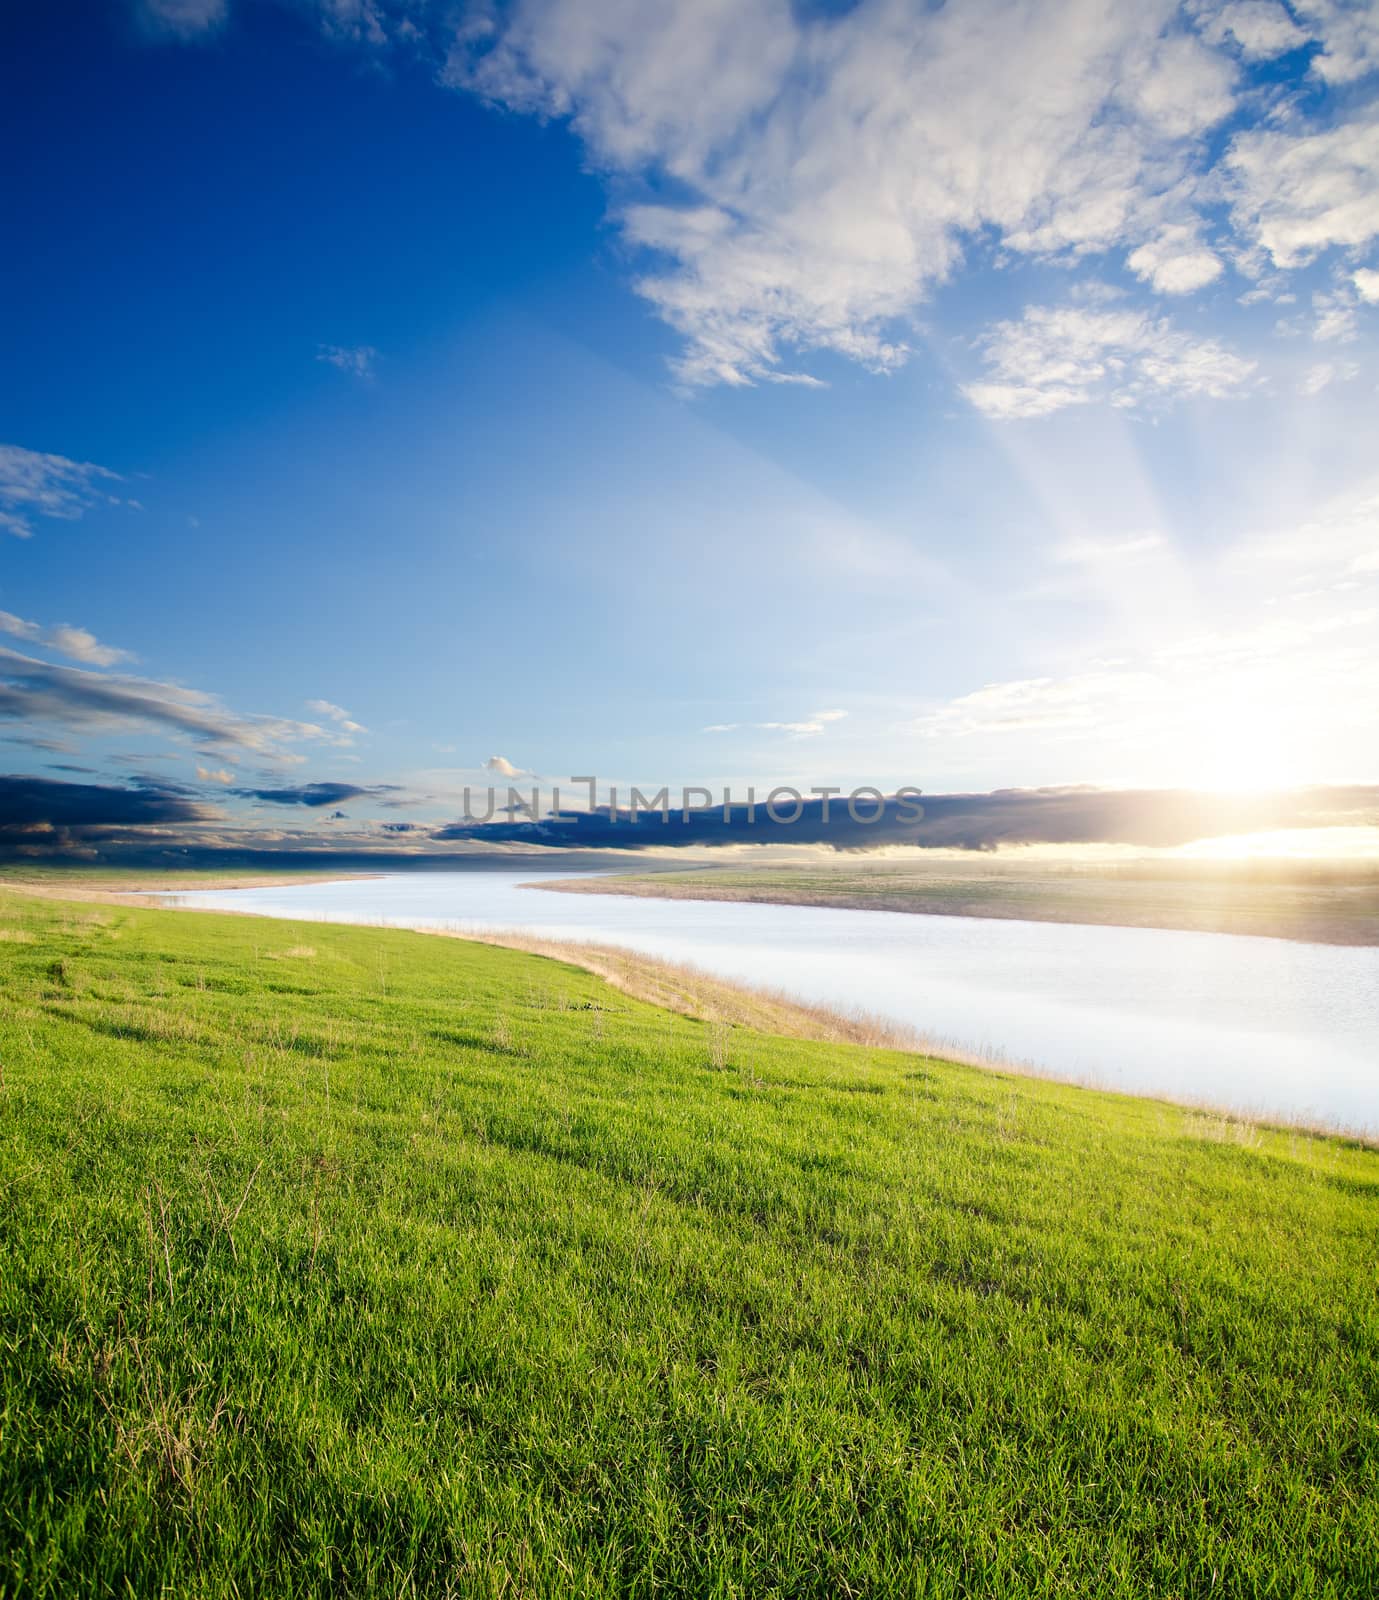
{"x":966,"y":396}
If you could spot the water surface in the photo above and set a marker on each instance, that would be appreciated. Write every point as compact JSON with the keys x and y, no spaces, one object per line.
{"x":1265,"y":1025}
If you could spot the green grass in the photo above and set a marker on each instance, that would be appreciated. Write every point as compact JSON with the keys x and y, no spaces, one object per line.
{"x":339,"y":1262}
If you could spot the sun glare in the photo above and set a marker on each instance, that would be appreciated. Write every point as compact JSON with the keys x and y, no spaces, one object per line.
{"x":1297,"y":844}
{"x":1238,"y":744}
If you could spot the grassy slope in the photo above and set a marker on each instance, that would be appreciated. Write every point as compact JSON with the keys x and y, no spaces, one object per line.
{"x":1326,"y":903}
{"x":339,"y":1261}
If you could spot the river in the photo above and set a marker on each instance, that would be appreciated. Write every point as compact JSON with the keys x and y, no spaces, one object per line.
{"x":1266,"y":1026}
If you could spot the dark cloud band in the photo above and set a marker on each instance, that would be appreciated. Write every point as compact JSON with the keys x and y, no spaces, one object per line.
{"x":154,"y":820}
{"x":27,"y":804}
{"x":1147,"y":818}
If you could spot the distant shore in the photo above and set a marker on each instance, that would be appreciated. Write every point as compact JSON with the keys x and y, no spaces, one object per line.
{"x":151,"y":888}
{"x":1305,"y":902}
{"x":1304,"y":905}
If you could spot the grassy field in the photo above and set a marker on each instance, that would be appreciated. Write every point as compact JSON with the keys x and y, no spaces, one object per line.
{"x":340,"y":1261}
{"x":1328,"y":903}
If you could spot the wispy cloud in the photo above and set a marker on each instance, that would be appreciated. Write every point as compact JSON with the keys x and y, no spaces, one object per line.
{"x":815,"y":723}
{"x":33,"y":483}
{"x":1260,"y":29}
{"x":67,"y":640}
{"x":1108,"y":552}
{"x":1057,"y":356}
{"x":182,"y":19}
{"x":357,"y":359}
{"x":840,"y":165}
{"x":832,"y":166}
{"x":37,"y":741}
{"x":339,"y":716}
{"x":1339,"y":544}
{"x":1337,"y":319}
{"x":1297,"y":192}
{"x":1244,"y":705}
{"x":1324,"y":373}
{"x":835,"y":167}
{"x":40,"y":692}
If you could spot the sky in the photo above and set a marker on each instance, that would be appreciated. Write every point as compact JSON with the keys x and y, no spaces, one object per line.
{"x":400,"y":396}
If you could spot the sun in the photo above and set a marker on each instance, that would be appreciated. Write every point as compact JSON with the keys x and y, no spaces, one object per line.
{"x":1238,"y":744}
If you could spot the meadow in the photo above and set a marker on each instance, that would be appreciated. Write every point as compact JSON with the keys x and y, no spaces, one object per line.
{"x":342,"y":1261}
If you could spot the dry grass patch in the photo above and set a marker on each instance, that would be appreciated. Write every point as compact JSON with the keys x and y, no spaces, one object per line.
{"x":1220,"y":1129}
{"x":692,"y":992}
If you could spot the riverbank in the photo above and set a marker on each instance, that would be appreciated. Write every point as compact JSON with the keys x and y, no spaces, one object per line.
{"x":1304,"y":901}
{"x":150,"y":887}
{"x":348,"y":1259}
{"x":1271,"y":1028}
{"x":806,"y":977}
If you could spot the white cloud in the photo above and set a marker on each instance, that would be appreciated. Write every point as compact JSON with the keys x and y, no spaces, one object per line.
{"x":1175,"y":261}
{"x":1298,"y":193}
{"x":503,"y":767}
{"x":361,"y":21}
{"x":358,"y":359}
{"x":817,"y":722}
{"x":33,"y":483}
{"x":831,"y":167}
{"x":1078,"y":703}
{"x":1336,"y":318}
{"x":836,"y":167}
{"x":1070,"y":355}
{"x":1259,"y":29}
{"x":1338,"y":544}
{"x":75,"y":643}
{"x":37,"y":692}
{"x":215,"y":775}
{"x":184,"y":19}
{"x":1324,"y":373}
{"x":1366,"y":285}
{"x":1349,"y":33}
{"x":336,"y":714}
